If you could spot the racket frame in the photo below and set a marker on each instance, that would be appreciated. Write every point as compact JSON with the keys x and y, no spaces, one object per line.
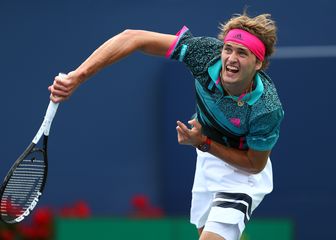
{"x":43,"y":130}
{"x":31,"y":148}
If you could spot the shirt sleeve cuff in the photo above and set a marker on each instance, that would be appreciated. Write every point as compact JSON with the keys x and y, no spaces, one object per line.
{"x":173,"y":45}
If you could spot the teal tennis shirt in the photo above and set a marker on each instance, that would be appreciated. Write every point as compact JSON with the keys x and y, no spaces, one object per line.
{"x":254,"y":124}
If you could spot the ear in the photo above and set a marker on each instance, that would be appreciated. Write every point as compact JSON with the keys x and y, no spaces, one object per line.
{"x":258,"y":65}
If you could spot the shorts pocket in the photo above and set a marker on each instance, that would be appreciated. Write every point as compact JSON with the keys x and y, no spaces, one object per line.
{"x":240,"y":176}
{"x":215,"y":169}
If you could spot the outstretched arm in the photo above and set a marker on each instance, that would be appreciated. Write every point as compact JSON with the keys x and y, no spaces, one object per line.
{"x":108,"y":53}
{"x":251,"y":161}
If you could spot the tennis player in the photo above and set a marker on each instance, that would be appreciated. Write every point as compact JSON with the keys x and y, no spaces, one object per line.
{"x":238,"y":116}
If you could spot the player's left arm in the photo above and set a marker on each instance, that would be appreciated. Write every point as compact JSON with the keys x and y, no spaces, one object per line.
{"x":251,"y":161}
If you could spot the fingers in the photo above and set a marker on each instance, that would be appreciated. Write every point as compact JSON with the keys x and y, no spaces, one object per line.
{"x":61,"y":89}
{"x":183,"y":127}
{"x":57,"y":95}
{"x":57,"y":91}
{"x":182,"y":133}
{"x":182,"y":137}
{"x":57,"y":99}
{"x":191,"y":136}
{"x":195,"y":123}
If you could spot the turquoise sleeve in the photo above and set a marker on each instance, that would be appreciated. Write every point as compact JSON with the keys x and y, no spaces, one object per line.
{"x":264,"y":131}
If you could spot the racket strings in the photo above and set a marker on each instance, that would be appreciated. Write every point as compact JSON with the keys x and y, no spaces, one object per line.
{"x":23,"y":187}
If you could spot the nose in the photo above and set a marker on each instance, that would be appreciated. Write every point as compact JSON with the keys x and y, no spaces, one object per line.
{"x":232,"y":58}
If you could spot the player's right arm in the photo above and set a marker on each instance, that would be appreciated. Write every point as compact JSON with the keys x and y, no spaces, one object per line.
{"x":108,"y":53}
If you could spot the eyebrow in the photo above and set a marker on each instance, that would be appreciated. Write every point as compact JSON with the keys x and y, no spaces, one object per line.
{"x":239,"y":48}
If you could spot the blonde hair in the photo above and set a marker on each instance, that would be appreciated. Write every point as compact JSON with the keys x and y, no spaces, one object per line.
{"x":262,"y":26}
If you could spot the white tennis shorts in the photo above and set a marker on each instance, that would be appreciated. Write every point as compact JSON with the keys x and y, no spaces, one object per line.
{"x":224,"y":194}
{"x":227,"y":231}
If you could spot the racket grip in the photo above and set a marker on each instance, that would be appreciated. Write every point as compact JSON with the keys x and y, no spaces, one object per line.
{"x":52,"y":107}
{"x":51,"y":111}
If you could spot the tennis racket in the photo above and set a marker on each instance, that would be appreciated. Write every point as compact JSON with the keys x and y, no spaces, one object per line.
{"x":25,"y":181}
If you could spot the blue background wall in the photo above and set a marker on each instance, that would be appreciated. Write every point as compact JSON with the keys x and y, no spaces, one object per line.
{"x":116,"y":136}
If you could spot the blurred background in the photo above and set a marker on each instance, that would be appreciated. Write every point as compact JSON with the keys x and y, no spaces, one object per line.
{"x":113,"y":145}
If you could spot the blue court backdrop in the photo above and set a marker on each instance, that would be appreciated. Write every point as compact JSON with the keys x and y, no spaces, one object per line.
{"x":116,"y":136}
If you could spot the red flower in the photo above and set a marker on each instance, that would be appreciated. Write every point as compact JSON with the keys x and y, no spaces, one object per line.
{"x":79,"y":210}
{"x":82,"y":209}
{"x":140,"y":202}
{"x":144,"y":209}
{"x":43,"y":216}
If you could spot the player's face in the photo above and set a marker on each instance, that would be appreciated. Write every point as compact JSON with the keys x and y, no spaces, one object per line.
{"x":239,"y":64}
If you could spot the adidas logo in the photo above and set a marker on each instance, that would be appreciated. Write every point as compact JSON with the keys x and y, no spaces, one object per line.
{"x":238,"y":36}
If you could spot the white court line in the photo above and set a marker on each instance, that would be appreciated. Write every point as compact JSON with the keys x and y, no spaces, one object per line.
{"x":305,"y":52}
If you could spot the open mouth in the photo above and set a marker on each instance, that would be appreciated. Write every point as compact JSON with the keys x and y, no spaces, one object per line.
{"x":232,"y":69}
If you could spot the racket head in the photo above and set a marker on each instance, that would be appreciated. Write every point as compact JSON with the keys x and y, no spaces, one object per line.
{"x":24,"y":184}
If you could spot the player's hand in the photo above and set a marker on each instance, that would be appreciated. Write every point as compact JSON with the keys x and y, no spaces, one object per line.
{"x":190,"y":136}
{"x":63,"y":87}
